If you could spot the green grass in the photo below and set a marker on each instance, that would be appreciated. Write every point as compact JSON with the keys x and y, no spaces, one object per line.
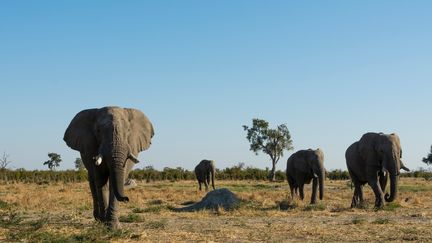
{"x":391,"y":206}
{"x":84,"y":207}
{"x":37,"y":236}
{"x":240,"y":188}
{"x":138,"y":210}
{"x":409,"y":230}
{"x":159,"y":224}
{"x":358,"y":220}
{"x":286,"y":204}
{"x":154,"y":209}
{"x":10,"y":218}
{"x":131,"y":218}
{"x":155,"y":202}
{"x":37,"y":224}
{"x":100,"y":233}
{"x":4,"y":205}
{"x":381,"y":221}
{"x":315,"y":207}
{"x":415,"y":188}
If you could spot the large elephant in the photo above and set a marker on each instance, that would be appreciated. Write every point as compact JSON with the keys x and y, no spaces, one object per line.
{"x":303,"y":167}
{"x":203,"y":171}
{"x":371,"y":160}
{"x":109,"y":140}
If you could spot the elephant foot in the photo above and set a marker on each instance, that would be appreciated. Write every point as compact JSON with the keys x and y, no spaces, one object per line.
{"x":378,"y":205}
{"x":98,"y":217}
{"x":354,"y":203}
{"x":358,"y":204}
{"x":113,"y":225}
{"x":377,"y":208}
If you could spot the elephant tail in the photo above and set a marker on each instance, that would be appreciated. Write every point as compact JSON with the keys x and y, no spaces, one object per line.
{"x":213,"y":172}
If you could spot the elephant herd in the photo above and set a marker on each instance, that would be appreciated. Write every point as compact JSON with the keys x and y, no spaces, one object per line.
{"x":372,"y":160}
{"x":110,"y":138}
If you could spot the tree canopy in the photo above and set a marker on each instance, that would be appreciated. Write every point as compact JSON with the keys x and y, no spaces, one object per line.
{"x":428,"y":160}
{"x":4,"y":161}
{"x":79,"y":165}
{"x":54,"y":160}
{"x":272,"y":142}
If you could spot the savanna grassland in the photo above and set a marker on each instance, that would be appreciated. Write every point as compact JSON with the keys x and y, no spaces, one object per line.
{"x":63,"y":213}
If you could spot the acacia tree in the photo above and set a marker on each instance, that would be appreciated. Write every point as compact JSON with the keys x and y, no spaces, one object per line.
{"x":270,"y":141}
{"x":428,"y":160}
{"x":54,"y":161}
{"x":4,"y":161}
{"x":79,"y":165}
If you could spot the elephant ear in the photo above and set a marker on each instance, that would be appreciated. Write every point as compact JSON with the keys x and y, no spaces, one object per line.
{"x":303,"y":164}
{"x":141,"y":130}
{"x":79,"y":134}
{"x":367,"y":144}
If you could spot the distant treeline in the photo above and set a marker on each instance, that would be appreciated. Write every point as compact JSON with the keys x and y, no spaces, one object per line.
{"x":148,"y":174}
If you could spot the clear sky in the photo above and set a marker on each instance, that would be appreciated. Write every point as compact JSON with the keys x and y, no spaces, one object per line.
{"x":330,"y":70}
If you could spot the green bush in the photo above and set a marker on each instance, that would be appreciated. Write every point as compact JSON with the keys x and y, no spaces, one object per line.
{"x":149,"y":174}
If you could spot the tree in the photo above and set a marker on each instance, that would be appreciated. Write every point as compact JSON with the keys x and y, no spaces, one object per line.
{"x":54,"y":161}
{"x":4,"y":161}
{"x":79,"y":165}
{"x":428,"y":160}
{"x":270,"y":141}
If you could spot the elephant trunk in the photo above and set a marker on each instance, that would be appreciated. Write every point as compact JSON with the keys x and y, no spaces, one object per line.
{"x":394,"y":176}
{"x":117,"y":174}
{"x":213,"y":171}
{"x":393,"y":188}
{"x":321,"y":183}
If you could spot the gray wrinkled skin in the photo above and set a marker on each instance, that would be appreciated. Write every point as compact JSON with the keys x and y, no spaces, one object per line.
{"x":371,"y":160}
{"x":109,"y":140}
{"x":205,"y":171}
{"x":303,"y":167}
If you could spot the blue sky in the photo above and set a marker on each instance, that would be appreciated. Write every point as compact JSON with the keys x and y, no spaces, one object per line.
{"x":330,"y":70}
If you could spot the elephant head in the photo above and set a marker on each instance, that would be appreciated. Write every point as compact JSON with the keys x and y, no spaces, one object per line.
{"x":312,"y":163}
{"x":110,"y":135}
{"x":384,"y":150}
{"x":315,"y":159}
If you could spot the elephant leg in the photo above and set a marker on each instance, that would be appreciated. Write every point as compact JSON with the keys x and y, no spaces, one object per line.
{"x":96,"y":209}
{"x":379,"y":196}
{"x":112,"y":211}
{"x":292,"y":191}
{"x":101,"y":187}
{"x":199,"y":185}
{"x":206,"y":184}
{"x":357,"y":198}
{"x":360,"y":194}
{"x":354,"y":201}
{"x":314,"y":190}
{"x":208,"y":179}
{"x":300,"y":185}
{"x":383,"y":181}
{"x":301,"y":190}
{"x":292,"y":186}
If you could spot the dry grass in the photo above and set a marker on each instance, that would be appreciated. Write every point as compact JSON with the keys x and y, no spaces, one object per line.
{"x":63,"y":213}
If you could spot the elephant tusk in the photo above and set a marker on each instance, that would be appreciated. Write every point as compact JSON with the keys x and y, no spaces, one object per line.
{"x":98,"y":159}
{"x":404,"y":168}
{"x":315,"y":175}
{"x":133,"y":158}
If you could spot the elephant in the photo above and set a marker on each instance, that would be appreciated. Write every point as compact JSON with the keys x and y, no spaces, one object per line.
{"x":372,"y":159}
{"x":303,"y":167}
{"x":203,"y":171}
{"x":109,"y":140}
